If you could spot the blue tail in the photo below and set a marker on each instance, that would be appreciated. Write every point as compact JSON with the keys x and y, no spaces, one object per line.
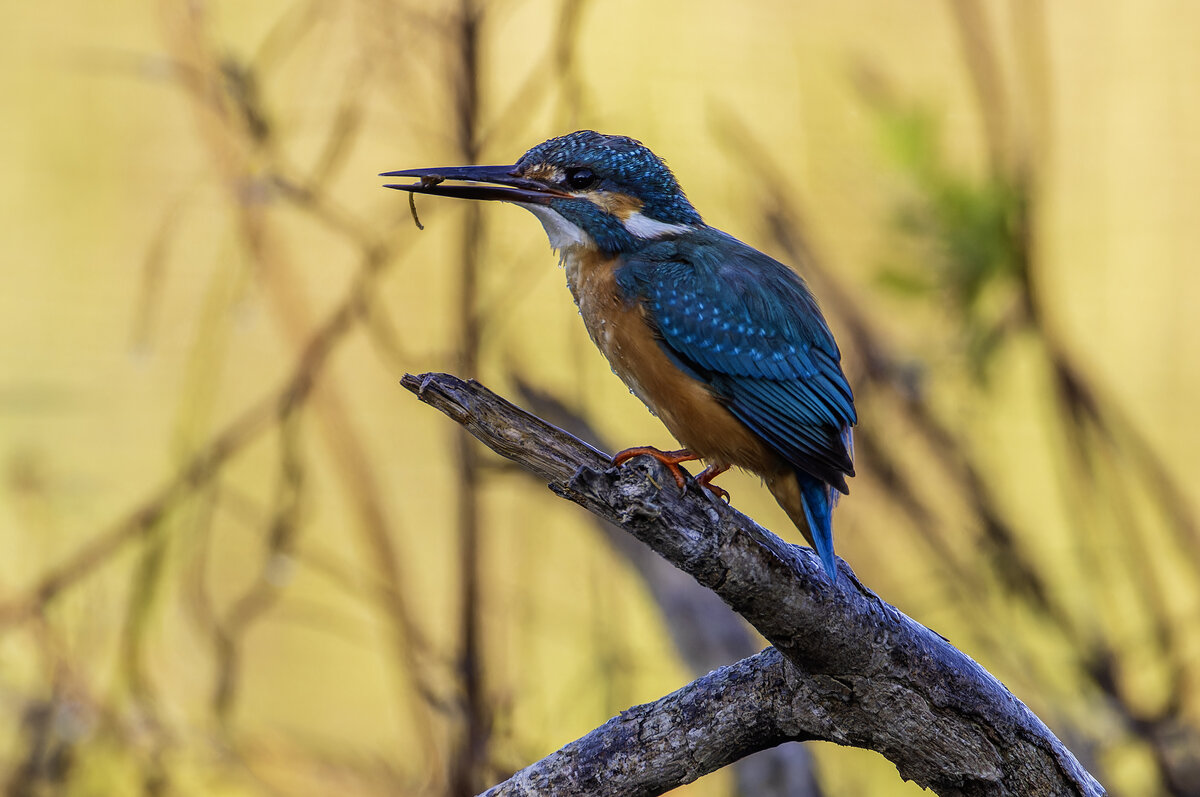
{"x":818,"y":511}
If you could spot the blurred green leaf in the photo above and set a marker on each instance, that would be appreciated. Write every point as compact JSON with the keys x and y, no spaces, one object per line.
{"x":905,"y":282}
{"x":969,"y":231}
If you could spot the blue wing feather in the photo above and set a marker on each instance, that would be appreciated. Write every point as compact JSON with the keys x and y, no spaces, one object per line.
{"x":747,"y":326}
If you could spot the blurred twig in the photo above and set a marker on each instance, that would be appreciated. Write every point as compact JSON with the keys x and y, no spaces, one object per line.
{"x":1100,"y":436}
{"x":237,"y":130}
{"x":200,"y":469}
{"x":256,"y":599}
{"x":470,"y":754}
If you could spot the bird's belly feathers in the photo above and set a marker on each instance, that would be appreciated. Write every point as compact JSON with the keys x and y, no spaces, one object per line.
{"x":685,"y":405}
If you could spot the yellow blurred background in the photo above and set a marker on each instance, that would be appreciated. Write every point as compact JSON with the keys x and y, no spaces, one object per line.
{"x":237,"y":554}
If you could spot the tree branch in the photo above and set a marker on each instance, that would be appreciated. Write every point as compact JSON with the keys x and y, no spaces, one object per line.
{"x":867,"y":675}
{"x":732,"y":712}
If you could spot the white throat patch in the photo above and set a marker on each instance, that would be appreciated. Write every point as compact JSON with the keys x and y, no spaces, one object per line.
{"x":563,"y":234}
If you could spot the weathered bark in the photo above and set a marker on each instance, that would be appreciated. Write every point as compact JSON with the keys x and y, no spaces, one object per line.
{"x":863,"y":673}
{"x":649,"y":749}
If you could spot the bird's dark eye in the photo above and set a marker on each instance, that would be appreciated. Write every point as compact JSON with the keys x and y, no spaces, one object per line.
{"x":580,"y":179}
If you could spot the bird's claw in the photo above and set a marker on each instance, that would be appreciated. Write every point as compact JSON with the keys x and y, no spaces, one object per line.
{"x":705,"y":480}
{"x":672,"y":459}
{"x":669,"y":458}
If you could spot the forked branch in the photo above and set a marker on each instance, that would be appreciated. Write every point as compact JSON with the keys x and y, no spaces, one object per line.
{"x":850,"y":669}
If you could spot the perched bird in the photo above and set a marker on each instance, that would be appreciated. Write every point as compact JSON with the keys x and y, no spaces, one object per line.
{"x":723,"y":343}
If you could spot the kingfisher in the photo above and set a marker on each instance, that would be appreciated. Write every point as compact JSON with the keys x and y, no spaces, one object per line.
{"x":723,"y":343}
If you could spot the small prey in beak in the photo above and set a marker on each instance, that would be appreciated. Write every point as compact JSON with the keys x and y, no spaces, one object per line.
{"x":500,"y":183}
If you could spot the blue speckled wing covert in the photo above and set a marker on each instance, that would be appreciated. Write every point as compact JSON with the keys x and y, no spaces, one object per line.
{"x":747,"y":326}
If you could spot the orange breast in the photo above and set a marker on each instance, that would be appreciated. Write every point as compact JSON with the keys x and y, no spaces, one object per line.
{"x":686,"y":406}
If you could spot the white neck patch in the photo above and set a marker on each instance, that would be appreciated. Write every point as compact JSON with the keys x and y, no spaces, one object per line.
{"x":563,"y":234}
{"x":640,"y":226}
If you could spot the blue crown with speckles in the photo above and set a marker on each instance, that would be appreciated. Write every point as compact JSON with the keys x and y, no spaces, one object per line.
{"x":624,"y":161}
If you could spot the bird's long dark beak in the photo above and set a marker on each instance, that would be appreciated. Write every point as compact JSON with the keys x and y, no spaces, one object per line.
{"x":481,"y":182}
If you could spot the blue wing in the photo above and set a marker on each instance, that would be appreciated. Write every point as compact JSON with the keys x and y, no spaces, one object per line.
{"x":747,"y":326}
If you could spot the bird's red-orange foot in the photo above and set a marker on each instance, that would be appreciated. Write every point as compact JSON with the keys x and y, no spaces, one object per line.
{"x":669,"y":458}
{"x":705,"y":480}
{"x":672,"y":459}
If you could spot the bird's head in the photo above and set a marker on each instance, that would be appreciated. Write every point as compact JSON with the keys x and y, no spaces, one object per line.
{"x":588,"y":189}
